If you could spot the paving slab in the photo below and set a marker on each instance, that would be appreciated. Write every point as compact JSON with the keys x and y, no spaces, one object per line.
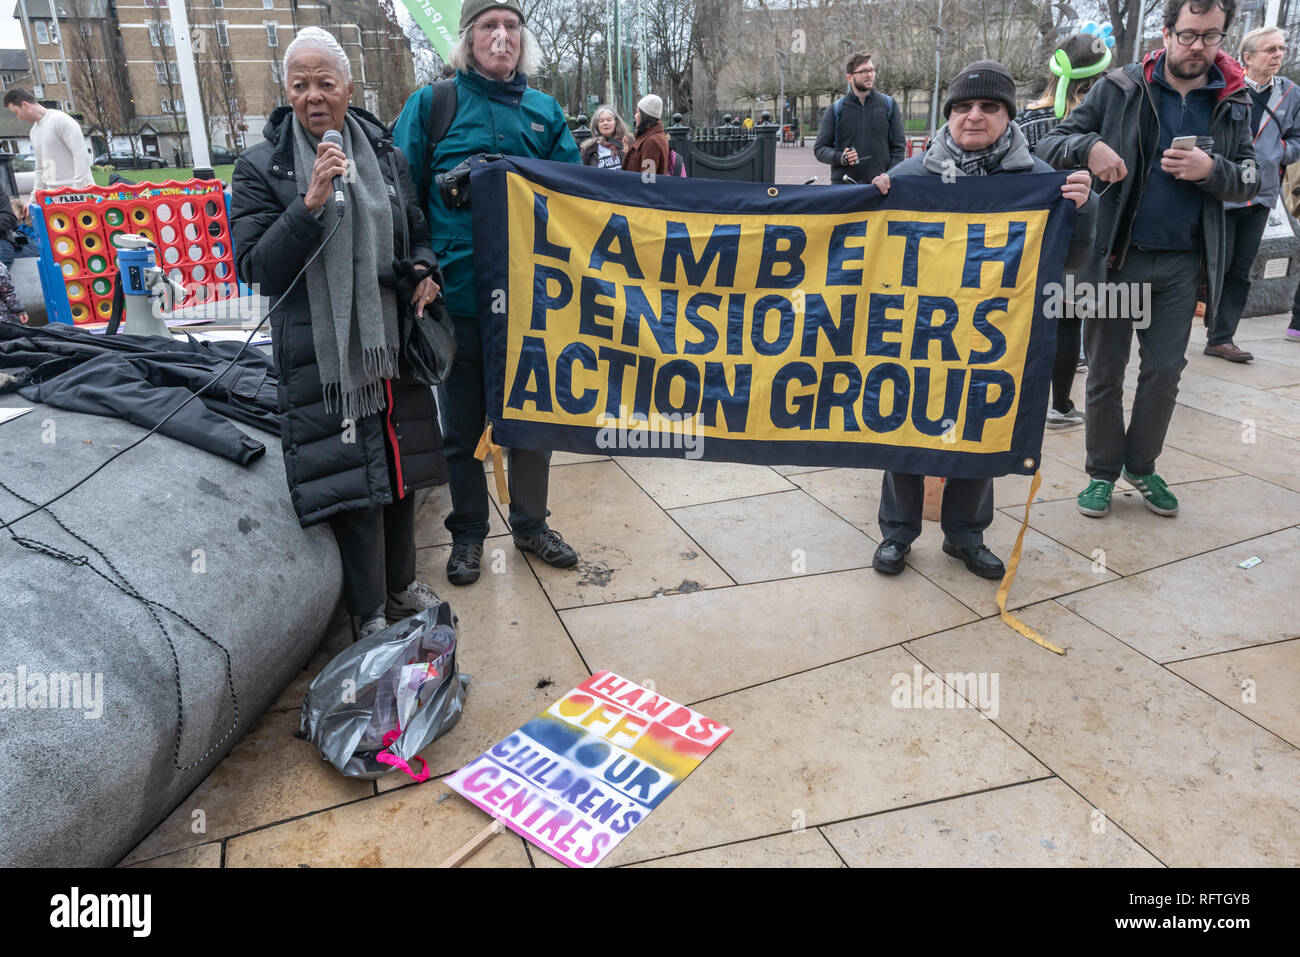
{"x":268,"y":777}
{"x":1202,"y":605}
{"x":627,"y":546}
{"x":1175,"y":465}
{"x":1252,"y":450}
{"x":852,"y":494}
{"x":674,"y":483}
{"x":205,"y":855}
{"x":1262,"y":683}
{"x":1212,"y":514}
{"x":829,"y":745}
{"x":797,"y":469}
{"x":430,"y":531}
{"x":1259,"y":373}
{"x":1038,"y":824}
{"x":415,"y":827}
{"x":806,"y":848}
{"x":1267,"y":410}
{"x":703,"y":645}
{"x":1191,"y":780}
{"x":1061,"y":480}
{"x":1047,"y":568}
{"x":1275,"y":349}
{"x":775,"y":536}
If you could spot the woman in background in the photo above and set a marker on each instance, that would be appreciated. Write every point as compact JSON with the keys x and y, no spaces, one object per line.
{"x":605,"y":149}
{"x":649,"y":151}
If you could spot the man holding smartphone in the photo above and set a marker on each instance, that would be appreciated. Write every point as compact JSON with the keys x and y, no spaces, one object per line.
{"x":861,"y":135}
{"x":1171,"y":136}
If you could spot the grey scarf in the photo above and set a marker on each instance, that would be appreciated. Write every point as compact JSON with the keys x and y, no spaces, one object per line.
{"x":978,"y":162}
{"x":353,"y":318}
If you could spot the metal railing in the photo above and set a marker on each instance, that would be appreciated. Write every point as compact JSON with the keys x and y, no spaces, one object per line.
{"x":727,"y":152}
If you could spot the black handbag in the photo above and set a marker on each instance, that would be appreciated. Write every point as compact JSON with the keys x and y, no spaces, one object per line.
{"x":428,"y":342}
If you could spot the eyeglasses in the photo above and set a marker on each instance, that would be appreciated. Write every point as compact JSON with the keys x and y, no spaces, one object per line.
{"x":492,"y":26}
{"x":1274,"y":49}
{"x":864,"y":72}
{"x":987,"y":107}
{"x":1211,"y":39}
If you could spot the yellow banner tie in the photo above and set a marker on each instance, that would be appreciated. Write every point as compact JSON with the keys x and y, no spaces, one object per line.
{"x":487,"y":447}
{"x":1012,"y":564}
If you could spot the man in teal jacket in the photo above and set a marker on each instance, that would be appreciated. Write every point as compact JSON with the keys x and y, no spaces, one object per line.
{"x":496,"y":112}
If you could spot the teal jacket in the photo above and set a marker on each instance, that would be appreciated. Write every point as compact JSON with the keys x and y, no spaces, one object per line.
{"x":491,"y":117}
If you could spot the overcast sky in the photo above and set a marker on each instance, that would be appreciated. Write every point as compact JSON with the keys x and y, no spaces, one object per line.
{"x":11,"y":30}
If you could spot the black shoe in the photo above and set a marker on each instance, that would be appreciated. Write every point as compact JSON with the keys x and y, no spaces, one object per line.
{"x":463,"y":563}
{"x":889,"y":557}
{"x":979,"y":560}
{"x":547,"y":545}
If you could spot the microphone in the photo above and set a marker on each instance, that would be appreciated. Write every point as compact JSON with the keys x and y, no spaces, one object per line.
{"x":335,"y":137}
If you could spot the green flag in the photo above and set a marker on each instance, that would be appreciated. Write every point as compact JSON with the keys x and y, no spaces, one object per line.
{"x":440,"y":21}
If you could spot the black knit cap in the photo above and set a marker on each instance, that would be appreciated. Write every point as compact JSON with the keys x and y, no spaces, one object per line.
{"x":982,"y":80}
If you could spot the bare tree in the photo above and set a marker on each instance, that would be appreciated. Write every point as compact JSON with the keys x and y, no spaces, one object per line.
{"x":393,"y":85}
{"x":224,"y":105}
{"x":100,"y":82}
{"x":163,"y":45}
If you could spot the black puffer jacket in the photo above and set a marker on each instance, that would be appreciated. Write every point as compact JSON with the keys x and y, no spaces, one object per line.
{"x":391,"y":453}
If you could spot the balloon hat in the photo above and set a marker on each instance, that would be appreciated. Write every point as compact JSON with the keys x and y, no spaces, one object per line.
{"x":1062,"y":67}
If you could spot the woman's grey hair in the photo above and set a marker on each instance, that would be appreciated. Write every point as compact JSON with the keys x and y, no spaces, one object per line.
{"x":322,"y":39}
{"x":461,"y":56}
{"x":620,"y":128}
{"x":1251,"y":39}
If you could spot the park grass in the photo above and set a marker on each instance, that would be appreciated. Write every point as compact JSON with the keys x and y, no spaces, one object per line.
{"x":161,"y":175}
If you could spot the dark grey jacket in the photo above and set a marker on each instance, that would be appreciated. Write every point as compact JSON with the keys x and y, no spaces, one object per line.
{"x":870,"y":127}
{"x":1121,"y":111}
{"x":1276,"y":146}
{"x":937,"y":159}
{"x":394,"y":451}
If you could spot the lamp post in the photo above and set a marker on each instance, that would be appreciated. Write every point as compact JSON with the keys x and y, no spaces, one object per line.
{"x":780,"y":110}
{"x":940,"y":36}
{"x":194,"y":121}
{"x":609,"y":54}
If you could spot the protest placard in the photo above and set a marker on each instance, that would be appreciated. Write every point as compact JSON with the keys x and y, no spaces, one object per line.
{"x":578,"y":777}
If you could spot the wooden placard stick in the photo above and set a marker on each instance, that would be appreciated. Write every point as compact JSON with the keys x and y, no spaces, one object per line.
{"x":470,"y":847}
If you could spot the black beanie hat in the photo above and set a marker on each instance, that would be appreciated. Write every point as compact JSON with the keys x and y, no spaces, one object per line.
{"x":982,"y":80}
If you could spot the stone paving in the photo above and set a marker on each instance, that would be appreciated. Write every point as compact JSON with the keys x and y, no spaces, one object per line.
{"x":1167,"y":735}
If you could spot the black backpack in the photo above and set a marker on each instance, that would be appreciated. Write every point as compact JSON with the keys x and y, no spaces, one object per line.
{"x":442,"y":111}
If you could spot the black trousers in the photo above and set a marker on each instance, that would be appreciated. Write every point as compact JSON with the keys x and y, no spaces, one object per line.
{"x":1172,"y":278}
{"x":1068,"y":332}
{"x":967,"y":509}
{"x":377,"y":547}
{"x":1243,"y":227}
{"x":462,"y":400}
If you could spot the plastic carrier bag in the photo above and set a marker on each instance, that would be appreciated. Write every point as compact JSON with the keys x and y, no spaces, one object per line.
{"x":382,"y":700}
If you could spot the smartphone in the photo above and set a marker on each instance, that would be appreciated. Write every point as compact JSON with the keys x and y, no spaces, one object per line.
{"x":1183,"y":143}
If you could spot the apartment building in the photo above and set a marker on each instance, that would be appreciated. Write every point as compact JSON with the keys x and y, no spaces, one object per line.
{"x":113,"y":62}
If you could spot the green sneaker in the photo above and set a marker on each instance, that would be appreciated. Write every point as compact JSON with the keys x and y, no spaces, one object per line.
{"x":1154,"y":492}
{"x":1095,"y":499}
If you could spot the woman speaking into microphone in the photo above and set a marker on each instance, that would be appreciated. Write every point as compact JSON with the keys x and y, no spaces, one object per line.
{"x":359,"y":436}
